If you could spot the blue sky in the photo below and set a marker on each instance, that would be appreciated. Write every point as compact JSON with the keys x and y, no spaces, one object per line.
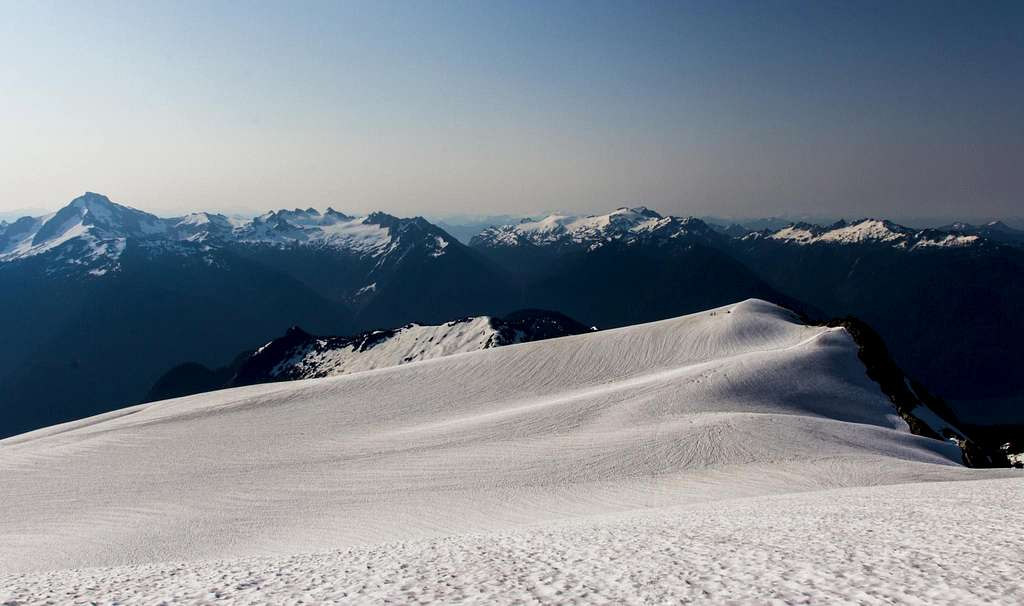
{"x":728,"y":108}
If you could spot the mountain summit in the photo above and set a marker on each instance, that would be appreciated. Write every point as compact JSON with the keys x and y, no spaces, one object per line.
{"x":623,"y":225}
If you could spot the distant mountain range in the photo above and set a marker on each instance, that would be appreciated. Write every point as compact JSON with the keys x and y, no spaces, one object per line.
{"x":99,"y":300}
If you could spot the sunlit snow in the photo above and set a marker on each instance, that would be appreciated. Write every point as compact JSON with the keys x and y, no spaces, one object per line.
{"x":715,"y":455}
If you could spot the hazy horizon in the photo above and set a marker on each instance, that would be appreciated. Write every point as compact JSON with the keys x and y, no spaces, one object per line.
{"x":734,"y":109}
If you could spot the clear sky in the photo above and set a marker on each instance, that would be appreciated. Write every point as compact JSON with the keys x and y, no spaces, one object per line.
{"x":720,"y":107}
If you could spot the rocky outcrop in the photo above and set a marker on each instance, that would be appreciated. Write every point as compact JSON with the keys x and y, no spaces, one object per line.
{"x":926,"y":414}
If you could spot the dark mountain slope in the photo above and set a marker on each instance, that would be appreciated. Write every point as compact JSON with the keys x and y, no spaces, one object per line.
{"x":109,"y":339}
{"x":951,"y":316}
{"x":618,"y":285}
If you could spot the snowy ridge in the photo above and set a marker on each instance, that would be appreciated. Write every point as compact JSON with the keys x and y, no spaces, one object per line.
{"x":868,"y":231}
{"x":316,"y":357}
{"x":300,"y":355}
{"x":98,"y":229}
{"x":623,"y":225}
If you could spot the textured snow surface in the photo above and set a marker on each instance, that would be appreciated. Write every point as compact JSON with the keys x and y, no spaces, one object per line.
{"x":937,"y":543}
{"x":518,"y":469}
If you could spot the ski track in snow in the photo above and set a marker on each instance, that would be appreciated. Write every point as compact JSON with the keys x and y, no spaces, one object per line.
{"x":731,"y":454}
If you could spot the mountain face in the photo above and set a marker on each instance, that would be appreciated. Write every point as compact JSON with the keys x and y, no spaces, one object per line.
{"x":76,"y":344}
{"x":98,"y":299}
{"x":946,"y":301}
{"x":300,"y":355}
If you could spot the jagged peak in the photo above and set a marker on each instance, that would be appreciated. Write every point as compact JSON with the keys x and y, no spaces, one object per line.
{"x":379,"y":217}
{"x":330,"y":212}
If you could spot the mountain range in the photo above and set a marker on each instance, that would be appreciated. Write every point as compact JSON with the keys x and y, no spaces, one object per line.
{"x":100,"y":300}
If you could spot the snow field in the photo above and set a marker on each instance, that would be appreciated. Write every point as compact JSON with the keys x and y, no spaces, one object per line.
{"x":730,"y":454}
{"x":935,"y":543}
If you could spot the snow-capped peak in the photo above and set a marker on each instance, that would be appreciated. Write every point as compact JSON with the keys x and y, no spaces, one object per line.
{"x":625,"y":224}
{"x":95,"y":226}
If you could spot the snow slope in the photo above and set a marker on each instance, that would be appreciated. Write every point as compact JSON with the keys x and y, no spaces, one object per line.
{"x":584,"y":435}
